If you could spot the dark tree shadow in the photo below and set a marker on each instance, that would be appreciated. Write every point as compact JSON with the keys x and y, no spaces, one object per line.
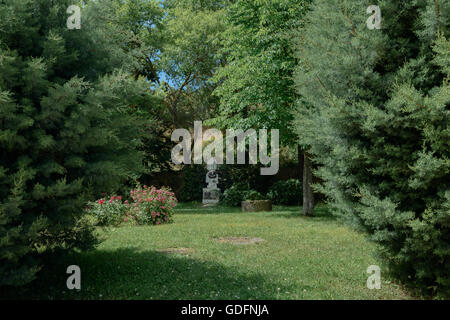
{"x":197,"y":207}
{"x":321,"y":213}
{"x":133,"y":274}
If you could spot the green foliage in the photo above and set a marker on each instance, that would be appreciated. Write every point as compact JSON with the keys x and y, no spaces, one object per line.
{"x":286,"y":192}
{"x":197,"y":5}
{"x":108,"y":212}
{"x":180,"y":40}
{"x":253,"y":195}
{"x":374,"y":108}
{"x":238,"y":173}
{"x":191,"y":39}
{"x":256,"y":86}
{"x":70,"y":125}
{"x":234,"y":195}
{"x":193,"y":183}
{"x":238,"y":192}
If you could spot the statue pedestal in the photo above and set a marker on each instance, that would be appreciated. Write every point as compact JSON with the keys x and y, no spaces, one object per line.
{"x":211,"y":195}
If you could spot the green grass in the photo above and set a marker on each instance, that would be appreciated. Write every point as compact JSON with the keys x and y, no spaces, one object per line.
{"x":301,"y":258}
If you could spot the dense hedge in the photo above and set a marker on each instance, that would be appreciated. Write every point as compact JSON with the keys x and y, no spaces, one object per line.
{"x":234,"y":195}
{"x":286,"y":192}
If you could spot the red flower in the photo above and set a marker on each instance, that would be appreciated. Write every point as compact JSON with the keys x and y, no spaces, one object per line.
{"x":101,"y":201}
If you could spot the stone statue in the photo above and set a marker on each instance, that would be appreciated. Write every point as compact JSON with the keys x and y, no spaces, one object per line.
{"x":212,"y":179}
{"x":211,"y":194}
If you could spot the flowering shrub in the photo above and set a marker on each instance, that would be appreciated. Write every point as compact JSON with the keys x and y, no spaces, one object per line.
{"x":109,"y":211}
{"x":152,"y":206}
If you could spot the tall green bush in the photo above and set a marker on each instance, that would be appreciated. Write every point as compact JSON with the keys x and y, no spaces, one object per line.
{"x":234,"y":195}
{"x":66,"y":130}
{"x":375,"y":111}
{"x":286,"y":192}
{"x":247,"y":174}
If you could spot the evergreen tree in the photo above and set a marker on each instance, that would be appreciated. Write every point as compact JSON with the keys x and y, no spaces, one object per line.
{"x":374,"y":108}
{"x":71,"y":119}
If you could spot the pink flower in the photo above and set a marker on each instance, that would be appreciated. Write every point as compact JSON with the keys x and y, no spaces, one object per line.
{"x":101,"y":201}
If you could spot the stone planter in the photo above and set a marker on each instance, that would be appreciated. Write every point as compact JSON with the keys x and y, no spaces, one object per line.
{"x":256,"y":205}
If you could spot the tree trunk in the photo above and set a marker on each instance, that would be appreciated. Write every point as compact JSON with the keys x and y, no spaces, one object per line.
{"x":300,"y":163}
{"x":308,"y":196}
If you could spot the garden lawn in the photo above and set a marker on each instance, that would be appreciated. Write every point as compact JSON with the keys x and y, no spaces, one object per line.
{"x":301,"y":258}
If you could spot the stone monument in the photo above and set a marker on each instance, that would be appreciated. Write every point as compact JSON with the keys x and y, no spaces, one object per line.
{"x":211,"y":194}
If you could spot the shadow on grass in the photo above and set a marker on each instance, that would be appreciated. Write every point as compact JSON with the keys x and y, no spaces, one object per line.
{"x":321,"y":212}
{"x":132,"y":274}
{"x":197,"y":207}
